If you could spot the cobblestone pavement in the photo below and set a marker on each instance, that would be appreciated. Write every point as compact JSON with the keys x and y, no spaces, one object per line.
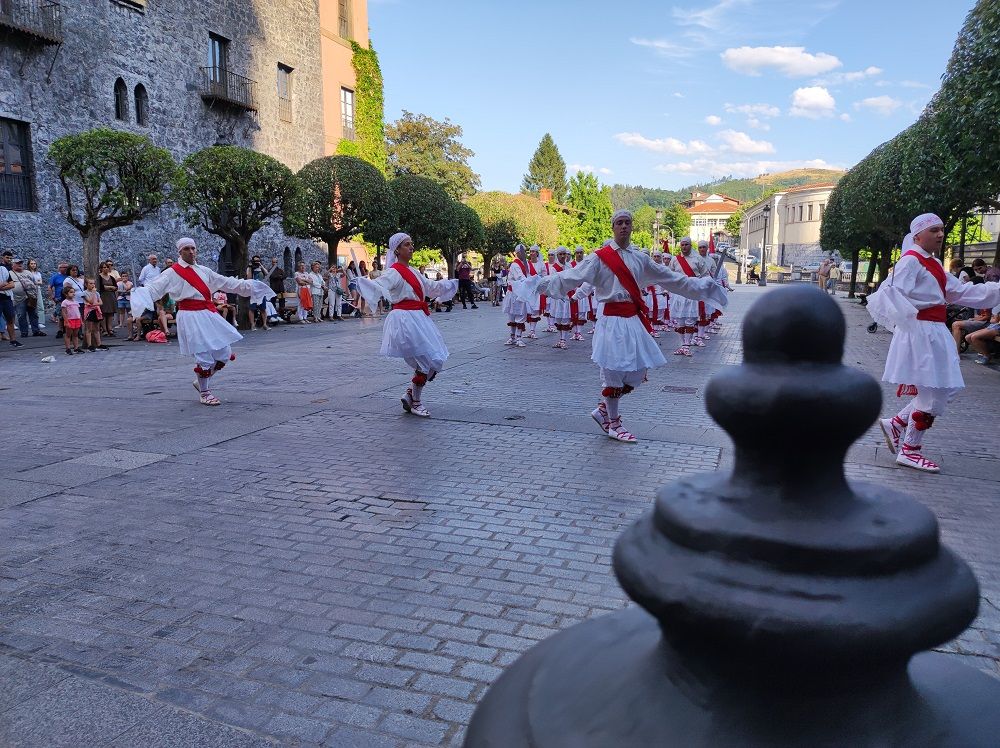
{"x":306,"y":565}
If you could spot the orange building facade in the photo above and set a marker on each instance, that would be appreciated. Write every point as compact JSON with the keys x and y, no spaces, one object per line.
{"x":341,"y":22}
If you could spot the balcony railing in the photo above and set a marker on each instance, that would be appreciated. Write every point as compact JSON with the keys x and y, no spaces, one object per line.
{"x":15,"y":192}
{"x":39,"y":20}
{"x":284,"y":109}
{"x":221,"y":86}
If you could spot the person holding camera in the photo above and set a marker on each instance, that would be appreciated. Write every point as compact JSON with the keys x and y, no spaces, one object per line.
{"x":257,"y":272}
{"x":25,"y":299}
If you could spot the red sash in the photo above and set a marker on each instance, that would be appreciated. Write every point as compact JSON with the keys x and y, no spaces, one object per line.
{"x":418,"y":289}
{"x":939,"y":312}
{"x":531,"y":269}
{"x":617,"y":266}
{"x":656,"y":303}
{"x":194,"y":280}
{"x":682,"y":261}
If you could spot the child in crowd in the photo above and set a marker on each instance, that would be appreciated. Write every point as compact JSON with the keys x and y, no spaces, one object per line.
{"x":92,"y":316}
{"x":71,"y":320}
{"x":123,"y":295}
{"x":223,"y":307}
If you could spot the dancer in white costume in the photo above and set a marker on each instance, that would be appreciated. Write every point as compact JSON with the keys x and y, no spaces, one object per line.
{"x":922,"y":358}
{"x":201,"y":330}
{"x":623,"y":347}
{"x":536,"y":266}
{"x":559,"y":304}
{"x":408,"y":332}
{"x":513,"y":306}
{"x":684,"y":311}
{"x":550,"y":325}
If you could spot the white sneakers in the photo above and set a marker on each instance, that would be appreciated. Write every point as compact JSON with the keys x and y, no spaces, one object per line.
{"x":519,"y":343}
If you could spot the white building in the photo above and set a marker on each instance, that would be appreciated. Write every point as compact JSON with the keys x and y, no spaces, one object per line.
{"x":793,"y":225}
{"x":709,"y":214}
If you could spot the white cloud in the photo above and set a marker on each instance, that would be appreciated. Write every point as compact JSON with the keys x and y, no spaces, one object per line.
{"x":589,"y":169}
{"x":812,"y":102}
{"x":678,"y":95}
{"x":757,"y":124}
{"x":664,"y":48}
{"x":882,"y":105}
{"x":663,"y":145}
{"x":755,"y":113}
{"x":707,"y":167}
{"x":836,"y":79}
{"x":739,"y":142}
{"x":713,"y":120}
{"x":845,"y":117}
{"x":793,"y":62}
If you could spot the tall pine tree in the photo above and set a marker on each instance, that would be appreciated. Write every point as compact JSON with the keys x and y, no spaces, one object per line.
{"x":546,"y":169}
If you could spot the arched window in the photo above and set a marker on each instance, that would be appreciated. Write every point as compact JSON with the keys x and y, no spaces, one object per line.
{"x":298,"y":257}
{"x":141,"y":105}
{"x":121,"y":100}
{"x":286,"y":260}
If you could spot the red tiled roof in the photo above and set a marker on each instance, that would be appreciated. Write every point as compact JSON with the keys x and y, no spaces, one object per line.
{"x":713,"y":208}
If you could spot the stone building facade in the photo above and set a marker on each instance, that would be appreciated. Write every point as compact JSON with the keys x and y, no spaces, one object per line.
{"x":794,"y":218}
{"x":187,"y":73}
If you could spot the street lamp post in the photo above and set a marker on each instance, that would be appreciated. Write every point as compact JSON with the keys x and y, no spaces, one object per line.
{"x":766,"y":210}
{"x":657,"y":224}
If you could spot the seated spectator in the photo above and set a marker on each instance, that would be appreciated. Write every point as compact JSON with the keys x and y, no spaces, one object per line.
{"x":223,"y":307}
{"x":963,"y":327}
{"x":955,"y":268}
{"x":437,"y":302}
{"x":982,"y":341}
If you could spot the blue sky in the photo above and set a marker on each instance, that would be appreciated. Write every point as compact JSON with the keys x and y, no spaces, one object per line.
{"x":665,"y":94}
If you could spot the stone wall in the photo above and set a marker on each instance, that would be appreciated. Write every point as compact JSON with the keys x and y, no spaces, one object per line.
{"x":69,"y":89}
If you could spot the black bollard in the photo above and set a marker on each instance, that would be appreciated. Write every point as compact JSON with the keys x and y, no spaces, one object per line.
{"x":780,"y":605}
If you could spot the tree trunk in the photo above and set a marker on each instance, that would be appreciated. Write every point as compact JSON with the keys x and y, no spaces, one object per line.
{"x":91,"y":251}
{"x":855,"y":259}
{"x":331,"y":251}
{"x":884,"y":260}
{"x":961,"y":241}
{"x":450,"y":257}
{"x":240,"y":263}
{"x":870,"y":275}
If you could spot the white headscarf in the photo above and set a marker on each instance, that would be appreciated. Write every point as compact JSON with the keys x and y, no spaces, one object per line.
{"x":924,"y":221}
{"x":618,"y":214}
{"x":520,"y":251}
{"x":908,"y":242}
{"x":394,"y":241}
{"x":186,"y":241}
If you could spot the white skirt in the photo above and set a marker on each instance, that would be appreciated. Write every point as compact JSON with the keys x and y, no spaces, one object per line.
{"x":924,"y":354}
{"x":682,"y":307}
{"x":622,"y":344}
{"x":558,"y":308}
{"x":412,"y":336}
{"x":202,"y":330}
{"x":513,"y":305}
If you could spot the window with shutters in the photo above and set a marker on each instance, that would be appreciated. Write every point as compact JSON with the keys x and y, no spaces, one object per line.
{"x":16,"y":191}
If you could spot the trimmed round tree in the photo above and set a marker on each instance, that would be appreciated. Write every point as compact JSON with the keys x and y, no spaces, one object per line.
{"x":425,"y":212}
{"x":110,"y":179}
{"x":339,"y":197}
{"x":232,"y":192}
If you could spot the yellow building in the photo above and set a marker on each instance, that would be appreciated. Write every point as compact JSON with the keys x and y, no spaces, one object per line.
{"x":793,"y":226}
{"x":341,"y":22}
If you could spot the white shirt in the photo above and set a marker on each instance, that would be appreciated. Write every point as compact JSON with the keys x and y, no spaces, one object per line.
{"x":393,"y":287}
{"x":148,"y":273}
{"x":646,"y":272}
{"x":4,"y":278}
{"x":315,"y":283}
{"x":169,"y":282}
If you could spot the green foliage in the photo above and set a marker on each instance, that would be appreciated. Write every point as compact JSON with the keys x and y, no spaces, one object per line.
{"x":424,"y":210}
{"x":676,"y":222}
{"x":974,"y":231}
{"x":734,"y":221}
{"x":642,"y":238}
{"x":109,"y":179}
{"x":546,"y":170}
{"x":233,"y":192}
{"x":593,"y":202}
{"x":533,"y":224}
{"x":339,"y":197}
{"x":424,"y":257}
{"x":348,"y":148}
{"x":626,"y":197}
{"x":500,"y":237}
{"x":369,"y":126}
{"x":422,"y":146}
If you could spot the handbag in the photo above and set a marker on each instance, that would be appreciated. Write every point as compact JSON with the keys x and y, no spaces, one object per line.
{"x":30,"y":300}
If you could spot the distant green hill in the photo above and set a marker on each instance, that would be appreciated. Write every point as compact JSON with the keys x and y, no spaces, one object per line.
{"x":744,"y":190}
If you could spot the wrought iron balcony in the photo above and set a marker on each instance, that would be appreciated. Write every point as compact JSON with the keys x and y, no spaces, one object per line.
{"x":221,"y":86}
{"x":37,"y":20}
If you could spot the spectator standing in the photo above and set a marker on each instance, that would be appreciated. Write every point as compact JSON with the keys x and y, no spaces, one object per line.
{"x":123,"y":295}
{"x":56,"y":281}
{"x":316,"y":286}
{"x":334,"y":292}
{"x":834,"y":279}
{"x":7,"y":299}
{"x":74,"y":281}
{"x":107,"y":286}
{"x":92,"y":317}
{"x":36,"y":276}
{"x":302,"y":290}
{"x":25,"y":299}
{"x":150,"y":271}
{"x":823,"y":274}
{"x":352,"y":287}
{"x":463,"y":272}
{"x":257,"y":272}
{"x":276,"y":280}
{"x":71,"y":320}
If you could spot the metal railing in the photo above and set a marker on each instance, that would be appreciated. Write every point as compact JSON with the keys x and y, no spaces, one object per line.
{"x":285,"y":108}
{"x":15,"y":192}
{"x":39,"y":19}
{"x":226,"y":87}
